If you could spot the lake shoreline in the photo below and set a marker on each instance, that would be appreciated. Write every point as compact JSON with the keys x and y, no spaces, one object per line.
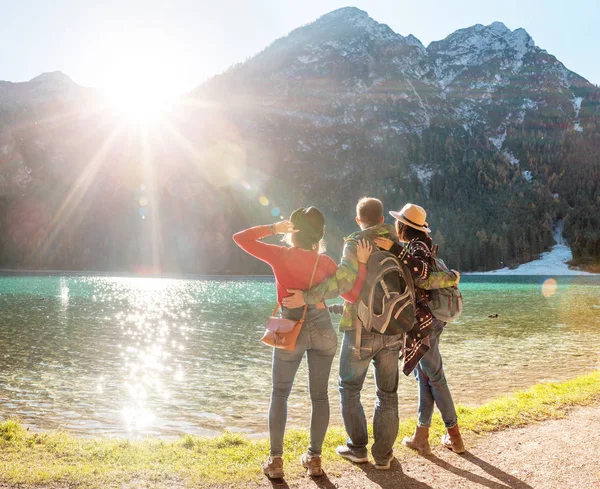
{"x":505,"y":274}
{"x":30,"y":459}
{"x":128,"y":376}
{"x":8,"y":272}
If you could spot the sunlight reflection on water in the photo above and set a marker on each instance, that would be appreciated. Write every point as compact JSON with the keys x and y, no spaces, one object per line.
{"x":145,"y":356}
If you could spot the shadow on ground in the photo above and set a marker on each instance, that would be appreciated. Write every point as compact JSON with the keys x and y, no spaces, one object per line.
{"x":395,"y":478}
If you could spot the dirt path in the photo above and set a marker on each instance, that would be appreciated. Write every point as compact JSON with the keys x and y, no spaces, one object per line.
{"x":554,"y":454}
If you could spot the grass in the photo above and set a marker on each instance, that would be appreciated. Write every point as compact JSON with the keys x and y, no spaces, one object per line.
{"x":57,"y":458}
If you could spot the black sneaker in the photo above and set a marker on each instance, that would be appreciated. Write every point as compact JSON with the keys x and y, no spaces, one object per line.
{"x":350,"y":454}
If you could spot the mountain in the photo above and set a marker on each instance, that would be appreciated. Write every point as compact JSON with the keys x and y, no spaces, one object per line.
{"x":493,"y":135}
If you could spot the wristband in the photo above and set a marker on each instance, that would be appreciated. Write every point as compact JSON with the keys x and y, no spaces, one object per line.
{"x":272,"y":226}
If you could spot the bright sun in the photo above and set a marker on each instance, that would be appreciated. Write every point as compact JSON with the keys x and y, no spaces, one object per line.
{"x":142,"y":77}
{"x":140,"y":101}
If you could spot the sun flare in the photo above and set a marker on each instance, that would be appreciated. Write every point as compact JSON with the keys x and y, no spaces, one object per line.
{"x":142,"y":80}
{"x":139,"y":103}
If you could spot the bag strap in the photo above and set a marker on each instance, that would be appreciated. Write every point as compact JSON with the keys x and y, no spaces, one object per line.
{"x":309,"y":286}
{"x":357,"y":338}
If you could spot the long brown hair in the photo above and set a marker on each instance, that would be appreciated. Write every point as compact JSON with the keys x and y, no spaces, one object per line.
{"x":407,"y":233}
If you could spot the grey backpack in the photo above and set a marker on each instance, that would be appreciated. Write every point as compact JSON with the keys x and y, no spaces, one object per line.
{"x":445,"y":304}
{"x":387,"y":299}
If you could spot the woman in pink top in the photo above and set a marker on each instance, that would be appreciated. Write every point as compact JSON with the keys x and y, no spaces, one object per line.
{"x":293,"y":268}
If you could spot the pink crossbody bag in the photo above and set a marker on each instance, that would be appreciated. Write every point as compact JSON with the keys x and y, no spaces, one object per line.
{"x":281,"y":332}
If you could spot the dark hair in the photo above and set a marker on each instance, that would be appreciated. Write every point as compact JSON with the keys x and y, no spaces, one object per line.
{"x":310,"y":224}
{"x":300,"y":240}
{"x":369,"y":210}
{"x":407,"y":233}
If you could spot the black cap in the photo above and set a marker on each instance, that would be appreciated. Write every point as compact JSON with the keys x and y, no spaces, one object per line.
{"x":309,"y":221}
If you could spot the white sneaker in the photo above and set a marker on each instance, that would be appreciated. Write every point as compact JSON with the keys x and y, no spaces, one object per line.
{"x":385,"y":465}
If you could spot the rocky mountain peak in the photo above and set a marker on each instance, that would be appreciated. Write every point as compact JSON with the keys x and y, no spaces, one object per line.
{"x":497,"y":27}
{"x":347,"y":13}
{"x":480,"y":45}
{"x":490,"y":39}
{"x":413,"y":41}
{"x":356,"y":19}
{"x":57,"y":77}
{"x":520,"y":35}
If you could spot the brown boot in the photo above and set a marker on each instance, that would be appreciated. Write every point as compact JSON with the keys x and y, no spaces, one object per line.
{"x":273,"y":468}
{"x":453,"y":441}
{"x":312,"y":464}
{"x":419,"y":441}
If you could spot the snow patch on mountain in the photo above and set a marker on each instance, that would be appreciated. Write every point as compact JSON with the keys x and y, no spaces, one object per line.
{"x":577,"y":108}
{"x":498,"y":140}
{"x":577,"y":105}
{"x":307,"y":59}
{"x":513,"y":160}
{"x":423,"y":174}
{"x":421,"y":104}
{"x":551,"y":263}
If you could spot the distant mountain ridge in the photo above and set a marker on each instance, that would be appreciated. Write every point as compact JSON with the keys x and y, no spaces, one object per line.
{"x":360,"y":55}
{"x":493,"y":135}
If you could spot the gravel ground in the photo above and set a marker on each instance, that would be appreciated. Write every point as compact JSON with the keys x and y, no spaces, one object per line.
{"x":555,"y":454}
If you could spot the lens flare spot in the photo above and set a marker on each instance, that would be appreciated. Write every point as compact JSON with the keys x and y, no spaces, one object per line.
{"x":263,"y":200}
{"x":143,"y":201}
{"x":246,"y":185}
{"x":223,"y":164}
{"x":549,"y":287}
{"x":275,"y":212}
{"x":143,"y":212}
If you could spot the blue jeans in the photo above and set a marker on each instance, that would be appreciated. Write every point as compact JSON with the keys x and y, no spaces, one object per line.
{"x":384,"y":352}
{"x":433,"y":387}
{"x":318,"y":340}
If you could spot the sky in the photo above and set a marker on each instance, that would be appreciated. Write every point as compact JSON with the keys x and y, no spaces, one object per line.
{"x":178,"y":44}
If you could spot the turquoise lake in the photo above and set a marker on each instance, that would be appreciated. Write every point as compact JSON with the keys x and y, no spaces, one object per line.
{"x":107,"y":356}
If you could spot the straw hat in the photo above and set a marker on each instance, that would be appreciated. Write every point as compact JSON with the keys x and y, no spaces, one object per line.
{"x":412,"y":215}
